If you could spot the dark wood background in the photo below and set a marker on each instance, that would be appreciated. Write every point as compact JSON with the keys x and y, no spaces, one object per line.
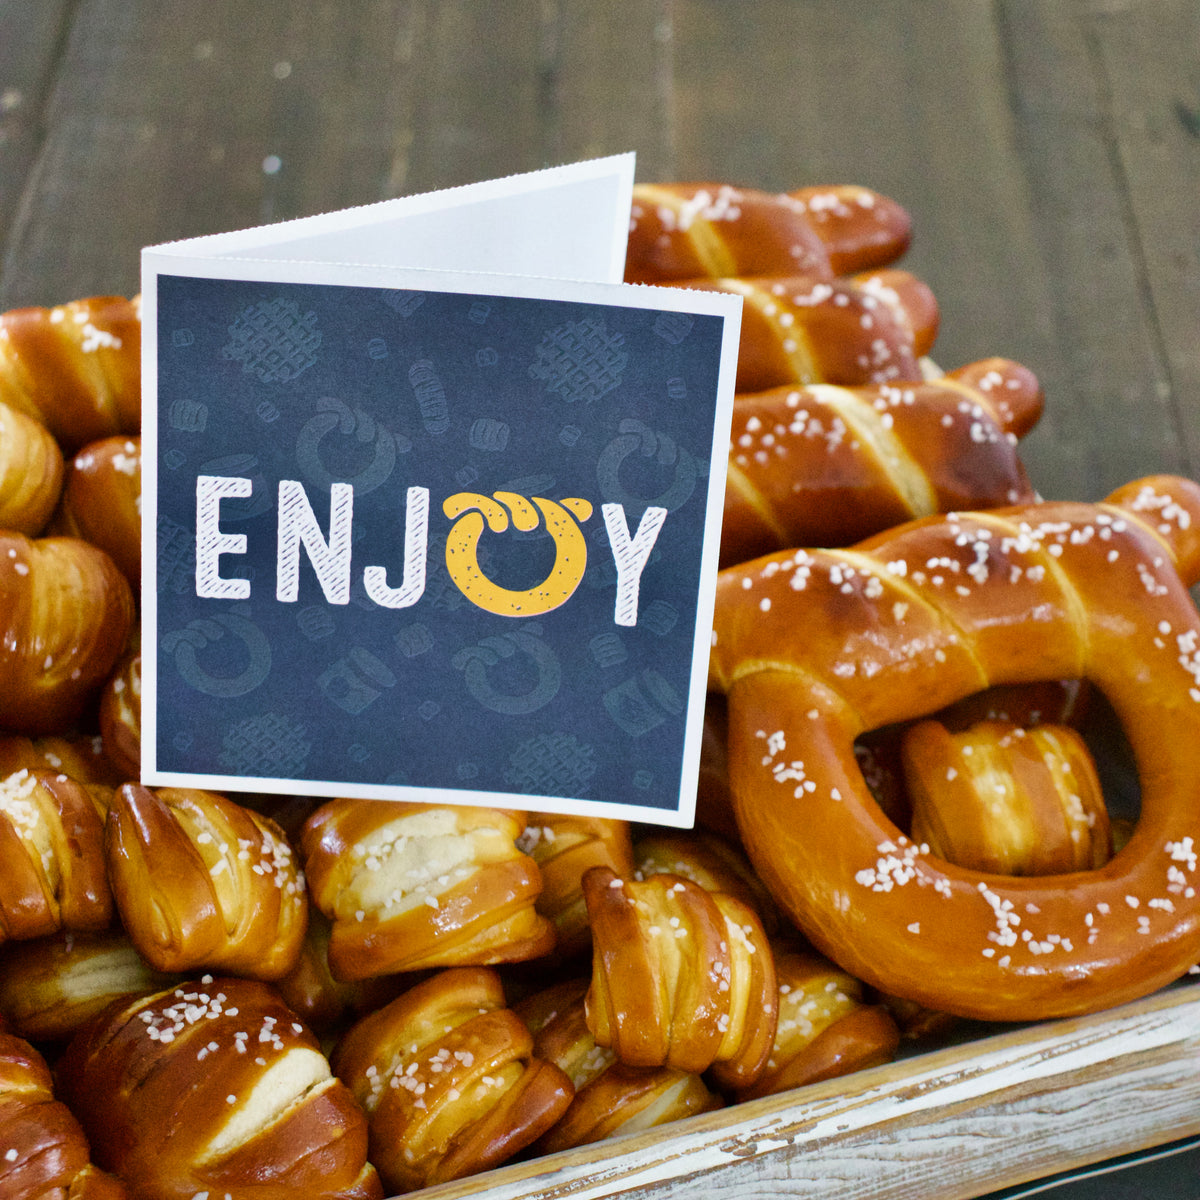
{"x":1048,"y":150}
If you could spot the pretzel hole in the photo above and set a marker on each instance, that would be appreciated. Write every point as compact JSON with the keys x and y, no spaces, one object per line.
{"x":1036,"y":780}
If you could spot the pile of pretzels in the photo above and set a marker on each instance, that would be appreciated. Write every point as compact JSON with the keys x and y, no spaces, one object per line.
{"x":902,"y":821}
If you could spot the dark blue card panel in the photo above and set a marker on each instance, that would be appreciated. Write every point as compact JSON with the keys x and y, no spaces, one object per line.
{"x":509,"y":674}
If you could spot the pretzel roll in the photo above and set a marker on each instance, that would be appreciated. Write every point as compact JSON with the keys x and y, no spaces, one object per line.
{"x":828,"y":466}
{"x":859,"y":228}
{"x":214,"y":1087}
{"x":564,"y":847}
{"x":44,"y":1154}
{"x":79,"y":756}
{"x":449,"y":1080}
{"x":102,"y":501}
{"x":681,"y":977}
{"x":51,"y":987}
{"x":826,"y":1028}
{"x":201,"y":882}
{"x":31,"y":472}
{"x":65,"y":615}
{"x":815,"y":647}
{"x":809,"y":329}
{"x":121,"y":715}
{"x":76,"y":368}
{"x":408,"y":886}
{"x":1000,"y":798}
{"x":610,"y":1097}
{"x":52,"y":873}
{"x":713,"y":862}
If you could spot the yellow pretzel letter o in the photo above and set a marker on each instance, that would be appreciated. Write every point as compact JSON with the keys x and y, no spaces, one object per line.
{"x":469,"y":511}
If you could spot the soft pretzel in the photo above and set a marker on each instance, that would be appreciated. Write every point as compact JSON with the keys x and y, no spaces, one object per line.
{"x":80,"y":756}
{"x":826,"y":1026}
{"x":708,"y":230}
{"x":815,"y":647}
{"x":44,"y":1154}
{"x":681,"y":977}
{"x":214,"y":1087}
{"x":120,"y":715}
{"x":31,"y":472}
{"x":564,"y":847}
{"x":203,"y":883}
{"x":997,"y":797}
{"x":102,"y":501}
{"x":50,"y":987}
{"x":829,"y":466}
{"x":52,"y":873}
{"x":610,"y":1097}
{"x":449,"y":1081}
{"x":76,"y":367}
{"x":409,"y":886}
{"x":65,"y":616}
{"x":868,"y":328}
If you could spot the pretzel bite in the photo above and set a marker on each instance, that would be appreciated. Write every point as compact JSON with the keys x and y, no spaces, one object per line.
{"x":805,"y":329}
{"x":681,"y":977}
{"x":714,"y":863}
{"x":826,"y":1029}
{"x":52,"y":872}
{"x":564,"y":847}
{"x":408,"y":886}
{"x":813,"y":648}
{"x":687,"y":231}
{"x":1000,"y":798}
{"x":449,"y":1081}
{"x":610,"y":1097}
{"x":76,"y":368}
{"x":120,"y":715}
{"x":52,"y":986}
{"x":828,"y":466}
{"x":44,"y":1154}
{"x":201,"y":882}
{"x":214,"y":1087}
{"x":31,"y":473}
{"x":102,"y":501}
{"x":65,"y":616}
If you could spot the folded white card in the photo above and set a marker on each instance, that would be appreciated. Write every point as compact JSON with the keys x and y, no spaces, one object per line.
{"x":432,"y":503}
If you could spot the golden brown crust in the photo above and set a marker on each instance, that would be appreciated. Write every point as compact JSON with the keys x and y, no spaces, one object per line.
{"x":410,"y":886}
{"x":52,"y":986}
{"x":43,"y":1152}
{"x":806,"y":329}
{"x":79,"y":756}
{"x":101,"y":501}
{"x":31,"y":473}
{"x":76,"y":367}
{"x":997,"y":797}
{"x":686,"y":231}
{"x":825,"y":1028}
{"x":52,"y":870}
{"x":203,"y":883}
{"x":120,"y":717}
{"x":815,"y":647}
{"x":449,"y":1080}
{"x":65,"y":616}
{"x":564,"y":847}
{"x":216,"y":1086}
{"x":680,"y":977}
{"x":828,"y":466}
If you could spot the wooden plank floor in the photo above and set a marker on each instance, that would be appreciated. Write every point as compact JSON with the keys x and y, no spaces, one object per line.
{"x":1049,"y":151}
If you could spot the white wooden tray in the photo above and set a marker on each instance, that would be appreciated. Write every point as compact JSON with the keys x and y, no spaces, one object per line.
{"x":945,"y":1125}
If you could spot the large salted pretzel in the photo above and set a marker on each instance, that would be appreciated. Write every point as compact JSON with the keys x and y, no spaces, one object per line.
{"x":814,"y":648}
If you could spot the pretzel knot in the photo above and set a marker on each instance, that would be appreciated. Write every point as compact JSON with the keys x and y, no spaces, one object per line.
{"x":815,"y":648}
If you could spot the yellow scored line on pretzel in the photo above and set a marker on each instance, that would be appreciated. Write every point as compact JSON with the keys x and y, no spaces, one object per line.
{"x":814,"y":648}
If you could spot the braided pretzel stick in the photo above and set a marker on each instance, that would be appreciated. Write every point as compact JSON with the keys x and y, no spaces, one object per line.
{"x":708,"y":230}
{"x":828,"y":466}
{"x":816,"y":647}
